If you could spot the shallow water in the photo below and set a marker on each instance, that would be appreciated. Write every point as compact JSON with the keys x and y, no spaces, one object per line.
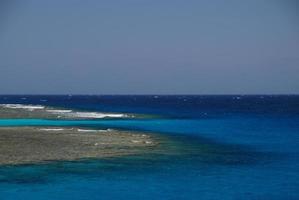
{"x":232,"y":147}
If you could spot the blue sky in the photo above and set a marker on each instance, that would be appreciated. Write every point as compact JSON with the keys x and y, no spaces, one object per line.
{"x":149,"y":47}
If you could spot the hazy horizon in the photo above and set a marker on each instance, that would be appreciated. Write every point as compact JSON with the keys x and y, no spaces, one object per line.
{"x":149,"y":47}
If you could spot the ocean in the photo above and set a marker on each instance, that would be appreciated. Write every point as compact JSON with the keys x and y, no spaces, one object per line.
{"x":233,"y":147}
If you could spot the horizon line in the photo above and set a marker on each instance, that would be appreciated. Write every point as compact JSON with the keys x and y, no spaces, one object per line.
{"x":78,"y":94}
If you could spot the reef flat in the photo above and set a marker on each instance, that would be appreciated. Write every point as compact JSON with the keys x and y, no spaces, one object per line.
{"x":12,"y":111}
{"x":26,"y":145}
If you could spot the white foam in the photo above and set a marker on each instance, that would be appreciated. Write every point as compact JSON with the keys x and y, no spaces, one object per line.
{"x":65,"y":112}
{"x":22,"y":106}
{"x":59,"y":111}
{"x":51,"y":129}
{"x":95,"y":115}
{"x":86,"y":130}
{"x":136,"y":141}
{"x":107,"y":130}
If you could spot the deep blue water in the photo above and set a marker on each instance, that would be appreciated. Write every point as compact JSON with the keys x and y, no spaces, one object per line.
{"x":252,"y":142}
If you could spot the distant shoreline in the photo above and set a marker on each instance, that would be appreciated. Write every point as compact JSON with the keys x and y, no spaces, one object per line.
{"x":26,"y":111}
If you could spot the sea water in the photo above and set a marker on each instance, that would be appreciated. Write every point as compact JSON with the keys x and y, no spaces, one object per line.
{"x":236,"y":147}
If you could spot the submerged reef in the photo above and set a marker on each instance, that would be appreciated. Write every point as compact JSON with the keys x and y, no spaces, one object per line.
{"x":28,"y":144}
{"x":34,"y":144}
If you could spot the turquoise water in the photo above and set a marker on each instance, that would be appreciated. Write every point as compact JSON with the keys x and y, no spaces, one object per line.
{"x":253,"y":151}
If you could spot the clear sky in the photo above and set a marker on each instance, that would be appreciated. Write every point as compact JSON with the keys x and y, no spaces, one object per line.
{"x":149,"y":47}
